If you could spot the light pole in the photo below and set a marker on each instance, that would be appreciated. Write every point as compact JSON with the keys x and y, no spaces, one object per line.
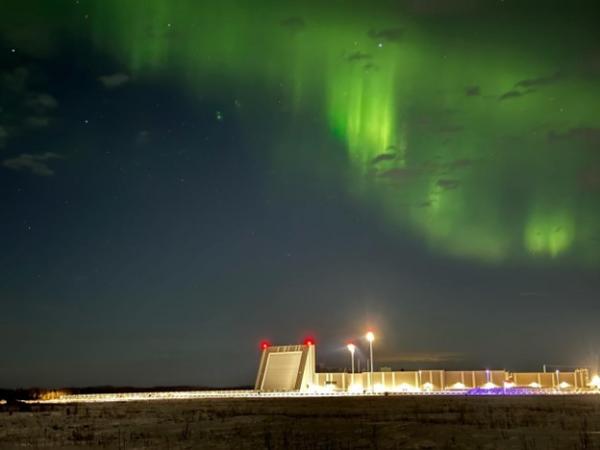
{"x":352,"y":349}
{"x":371,"y":337}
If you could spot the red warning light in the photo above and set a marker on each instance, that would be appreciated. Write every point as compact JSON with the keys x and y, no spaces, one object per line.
{"x":264,"y":345}
{"x":309,"y":341}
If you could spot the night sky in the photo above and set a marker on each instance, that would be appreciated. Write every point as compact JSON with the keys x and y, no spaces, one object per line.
{"x":182,"y":179}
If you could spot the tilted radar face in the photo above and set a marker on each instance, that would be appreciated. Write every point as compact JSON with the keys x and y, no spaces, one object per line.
{"x":286,"y":368}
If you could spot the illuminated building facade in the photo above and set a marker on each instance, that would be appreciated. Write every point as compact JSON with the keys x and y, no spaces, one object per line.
{"x":293,"y":368}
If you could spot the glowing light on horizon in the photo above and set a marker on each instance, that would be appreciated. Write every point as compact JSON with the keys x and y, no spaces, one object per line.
{"x":379,"y":388}
{"x":406,"y":387}
{"x":356,"y":388}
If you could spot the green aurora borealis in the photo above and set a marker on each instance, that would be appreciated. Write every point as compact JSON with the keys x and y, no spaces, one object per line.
{"x":480,"y":138}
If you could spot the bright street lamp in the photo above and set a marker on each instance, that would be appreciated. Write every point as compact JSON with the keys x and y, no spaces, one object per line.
{"x":370,"y":337}
{"x":352,"y":349}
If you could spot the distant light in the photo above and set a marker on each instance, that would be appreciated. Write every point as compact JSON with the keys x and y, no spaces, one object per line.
{"x":356,"y":388}
{"x":379,"y":387}
{"x":458,"y":385}
{"x":595,"y":383}
{"x":370,"y":336}
{"x":564,"y":385}
{"x":509,"y":385}
{"x":489,"y":385}
{"x":535,"y":385}
{"x":309,"y":341}
{"x":427,"y":386}
{"x":406,"y":387}
{"x":351,"y":348}
{"x":264,"y":345}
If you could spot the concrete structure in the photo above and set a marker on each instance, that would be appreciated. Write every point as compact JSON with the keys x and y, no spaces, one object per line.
{"x":293,"y":368}
{"x":286,"y":368}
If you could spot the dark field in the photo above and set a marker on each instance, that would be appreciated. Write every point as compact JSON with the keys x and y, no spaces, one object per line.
{"x":560,"y":422}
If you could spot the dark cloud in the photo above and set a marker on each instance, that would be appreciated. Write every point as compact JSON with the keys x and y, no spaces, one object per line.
{"x":448,"y":184}
{"x":36,"y":164}
{"x":37,"y":121}
{"x":388,"y":34}
{"x":384,"y":157}
{"x":359,"y":56}
{"x":41,"y":102}
{"x":23,"y":105}
{"x":515,"y":94}
{"x":114,"y":80}
{"x":14,"y":80}
{"x":540,"y":81}
{"x":293,"y":23}
{"x":510,"y":94}
{"x":586,"y":134}
{"x":472,"y":91}
{"x":460,"y":163}
{"x":400,"y":173}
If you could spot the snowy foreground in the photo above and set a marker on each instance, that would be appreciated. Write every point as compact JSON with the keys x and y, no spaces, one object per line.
{"x":329,"y":422}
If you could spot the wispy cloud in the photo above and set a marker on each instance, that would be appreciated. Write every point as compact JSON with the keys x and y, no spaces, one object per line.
{"x":37,"y":121}
{"x":15,"y":80}
{"x":540,"y":81}
{"x":36,"y":164}
{"x":25,"y":107}
{"x":115,"y":80}
{"x":41,"y":102}
{"x":384,"y":157}
{"x":515,"y":94}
